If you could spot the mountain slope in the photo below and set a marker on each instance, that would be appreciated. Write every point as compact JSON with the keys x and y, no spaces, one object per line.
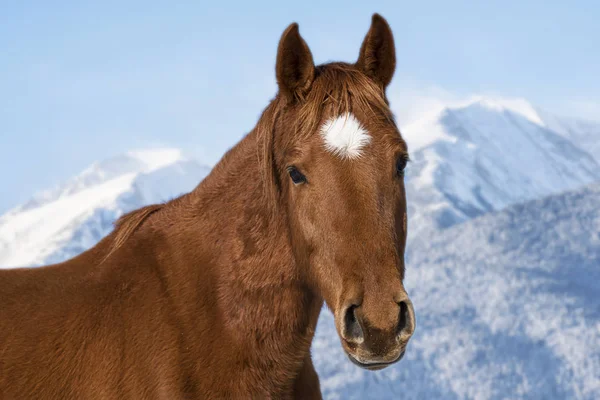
{"x":62,"y":222}
{"x":507,"y":307}
{"x":585,"y":134}
{"x":486,"y":155}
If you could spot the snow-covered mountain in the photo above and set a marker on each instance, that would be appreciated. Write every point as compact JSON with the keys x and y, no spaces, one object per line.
{"x":583,"y":133}
{"x":59,"y":223}
{"x":507,"y":305}
{"x":489,"y":153}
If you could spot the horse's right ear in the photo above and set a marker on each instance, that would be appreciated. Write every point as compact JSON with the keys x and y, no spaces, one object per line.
{"x":295,"y":68}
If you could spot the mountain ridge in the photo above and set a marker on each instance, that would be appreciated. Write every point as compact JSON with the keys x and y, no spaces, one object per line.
{"x":484,"y":156}
{"x":66,"y":220}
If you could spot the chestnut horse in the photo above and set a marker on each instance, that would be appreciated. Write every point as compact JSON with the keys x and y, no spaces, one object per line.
{"x":216,"y":294}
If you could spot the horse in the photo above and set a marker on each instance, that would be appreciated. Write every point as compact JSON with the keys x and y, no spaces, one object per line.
{"x":217,"y":293}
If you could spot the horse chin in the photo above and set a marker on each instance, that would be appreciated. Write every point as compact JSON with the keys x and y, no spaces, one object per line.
{"x":375,"y":366}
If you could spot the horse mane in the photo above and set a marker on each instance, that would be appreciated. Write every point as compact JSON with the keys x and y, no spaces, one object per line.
{"x":337,"y":88}
{"x":127,"y":224}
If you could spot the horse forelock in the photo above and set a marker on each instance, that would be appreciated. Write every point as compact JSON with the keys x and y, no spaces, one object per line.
{"x":339,"y":89}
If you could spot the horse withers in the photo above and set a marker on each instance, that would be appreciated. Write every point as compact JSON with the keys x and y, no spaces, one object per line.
{"x":216,"y":294}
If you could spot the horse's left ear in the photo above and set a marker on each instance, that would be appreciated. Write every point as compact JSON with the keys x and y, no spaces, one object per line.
{"x":295,"y":67}
{"x":377,"y":56}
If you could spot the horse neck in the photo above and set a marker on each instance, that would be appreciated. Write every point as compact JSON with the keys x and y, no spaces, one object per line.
{"x":241,"y":256}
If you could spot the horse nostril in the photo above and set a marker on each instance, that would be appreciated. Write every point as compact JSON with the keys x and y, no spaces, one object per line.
{"x":352,"y":330}
{"x":405,"y":323}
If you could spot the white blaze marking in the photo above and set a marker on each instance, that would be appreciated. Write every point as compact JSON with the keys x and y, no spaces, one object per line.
{"x":345,"y":136}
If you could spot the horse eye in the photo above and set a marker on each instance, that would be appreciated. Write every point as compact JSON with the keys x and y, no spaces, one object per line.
{"x":297,"y":176}
{"x":401,"y":164}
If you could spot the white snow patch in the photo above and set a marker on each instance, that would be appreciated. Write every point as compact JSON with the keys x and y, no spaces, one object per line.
{"x":29,"y":232}
{"x":78,"y":213}
{"x":157,"y":158}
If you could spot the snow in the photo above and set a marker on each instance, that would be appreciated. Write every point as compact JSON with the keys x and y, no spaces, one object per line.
{"x":486,"y":155}
{"x":425,"y":131}
{"x":514,"y":105}
{"x":30,"y":231}
{"x":586,"y":134}
{"x":157,"y":158}
{"x":429,"y":128}
{"x":78,"y":213}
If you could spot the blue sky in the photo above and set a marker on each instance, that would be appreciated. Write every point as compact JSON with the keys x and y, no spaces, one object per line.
{"x":81,"y":81}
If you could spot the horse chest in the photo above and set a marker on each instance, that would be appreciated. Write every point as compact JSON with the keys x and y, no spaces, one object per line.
{"x":264,"y":341}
